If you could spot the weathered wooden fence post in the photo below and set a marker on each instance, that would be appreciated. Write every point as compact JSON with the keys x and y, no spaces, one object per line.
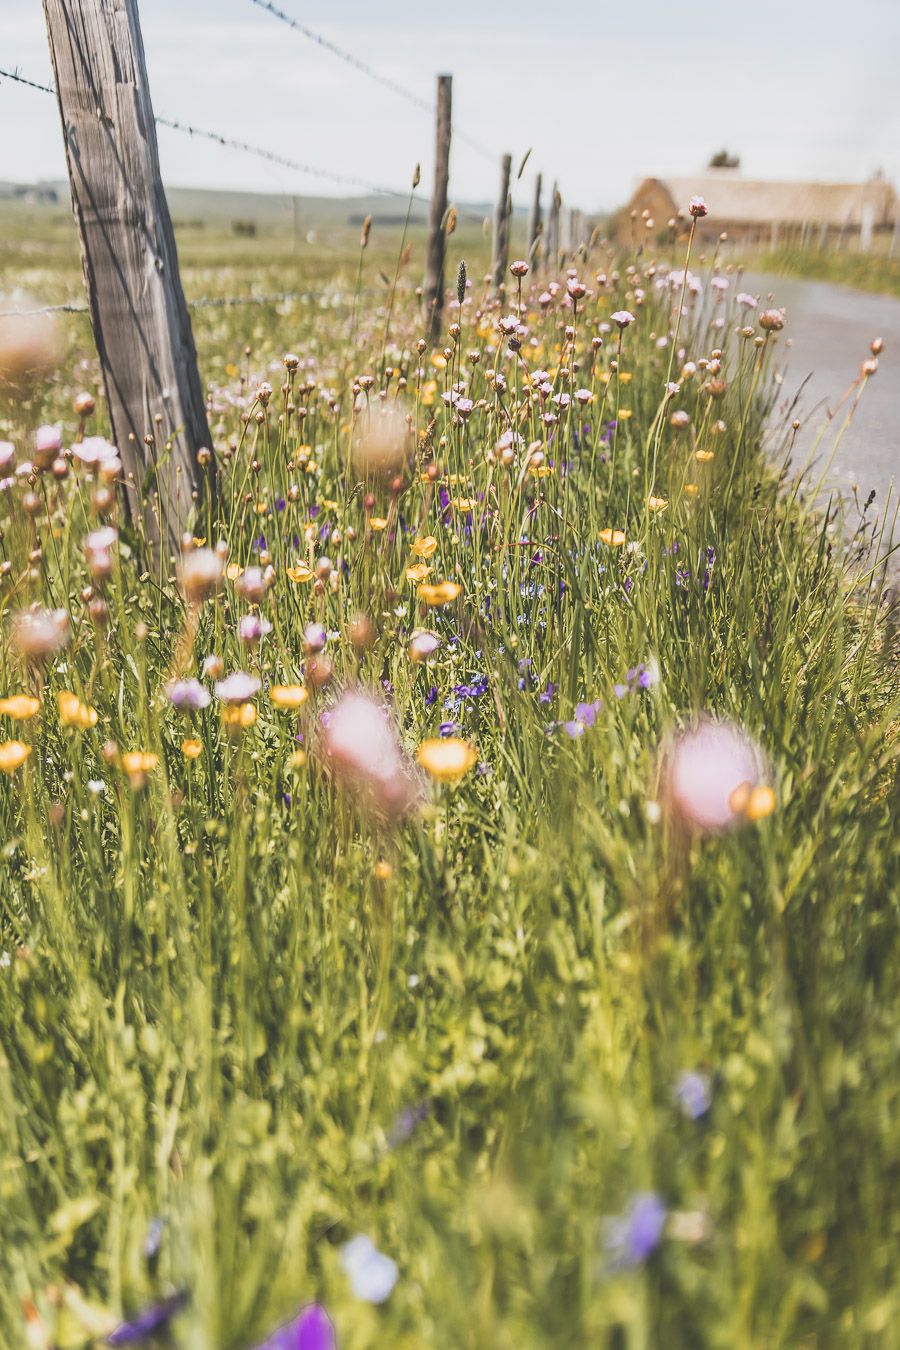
{"x":553,"y":228}
{"x":138,"y":312}
{"x":500,"y":241}
{"x":434,"y":266}
{"x":534,"y":221}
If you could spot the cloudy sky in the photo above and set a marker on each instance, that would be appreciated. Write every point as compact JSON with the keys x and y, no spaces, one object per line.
{"x":799,"y":88}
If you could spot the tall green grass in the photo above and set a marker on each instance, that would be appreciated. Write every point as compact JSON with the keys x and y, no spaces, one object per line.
{"x":234,"y":1003}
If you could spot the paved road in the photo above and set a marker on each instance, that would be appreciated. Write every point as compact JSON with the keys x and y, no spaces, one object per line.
{"x":831,"y":328}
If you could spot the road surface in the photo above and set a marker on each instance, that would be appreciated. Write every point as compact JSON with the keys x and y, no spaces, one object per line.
{"x":830,"y":328}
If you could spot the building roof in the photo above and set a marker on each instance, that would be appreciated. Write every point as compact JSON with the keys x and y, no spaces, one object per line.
{"x":753,"y":201}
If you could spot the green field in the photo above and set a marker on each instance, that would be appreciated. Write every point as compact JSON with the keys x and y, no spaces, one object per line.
{"x":590,"y":1027}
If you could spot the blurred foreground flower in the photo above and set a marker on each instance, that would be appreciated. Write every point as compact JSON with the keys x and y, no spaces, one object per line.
{"x":692,"y":1093}
{"x":200,"y":572}
{"x":30,"y":343}
{"x":365,"y":754}
{"x":12,"y":755}
{"x":188,"y":695}
{"x":237,"y":687}
{"x":20,"y":706}
{"x":444,"y":593}
{"x":310,"y":1330}
{"x":384,"y":440}
{"x":74,"y":713}
{"x":633,"y":1236}
{"x":148,"y":1322}
{"x":713,"y":776}
{"x":289,"y":696}
{"x":372,"y":1275}
{"x":423,"y":644}
{"x":137,"y":764}
{"x":38,"y":633}
{"x":448,"y":759}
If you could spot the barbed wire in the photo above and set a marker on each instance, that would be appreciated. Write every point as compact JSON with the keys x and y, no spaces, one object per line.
{"x":232,"y":143}
{"x":32,"y":84}
{"x":384,"y":80}
{"x":348,"y":180}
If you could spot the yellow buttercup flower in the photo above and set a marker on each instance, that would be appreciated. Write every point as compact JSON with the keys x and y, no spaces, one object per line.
{"x":429,"y":392}
{"x":464,"y":504}
{"x":377,"y":523}
{"x":704,"y":456}
{"x":191,"y":747}
{"x":423,"y":548}
{"x":444,"y":593}
{"x":614,"y":538}
{"x":761,"y":804}
{"x":288,"y":695}
{"x":383,"y":870}
{"x":239,"y":715}
{"x":418,"y":572}
{"x":657,"y":503}
{"x":438,"y":360}
{"x":624,"y":413}
{"x":137,"y":764}
{"x":691,"y":489}
{"x":12,"y":754}
{"x":20,"y":706}
{"x":233,"y":571}
{"x":447,"y":759}
{"x":74,"y":713}
{"x":300,"y":573}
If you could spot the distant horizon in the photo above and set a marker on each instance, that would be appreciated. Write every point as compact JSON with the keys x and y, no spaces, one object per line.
{"x":422,"y":200}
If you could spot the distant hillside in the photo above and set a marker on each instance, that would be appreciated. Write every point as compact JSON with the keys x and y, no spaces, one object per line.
{"x":202,"y":206}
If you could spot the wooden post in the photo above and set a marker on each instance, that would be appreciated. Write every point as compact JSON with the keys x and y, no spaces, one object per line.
{"x":534,"y":221}
{"x":500,"y":242}
{"x":553,"y":228}
{"x":138,"y":312}
{"x":434,"y":266}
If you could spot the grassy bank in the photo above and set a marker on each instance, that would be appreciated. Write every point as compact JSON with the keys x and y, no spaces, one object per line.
{"x":865,"y":271}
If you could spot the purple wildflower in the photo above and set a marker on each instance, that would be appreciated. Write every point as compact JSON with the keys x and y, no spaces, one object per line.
{"x":147,"y":1322}
{"x":633,"y":1236}
{"x":407,"y":1122}
{"x":187,"y":694}
{"x":692,"y":1093}
{"x":310,"y":1330}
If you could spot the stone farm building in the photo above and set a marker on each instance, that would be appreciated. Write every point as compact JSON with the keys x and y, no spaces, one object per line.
{"x":766,"y":213}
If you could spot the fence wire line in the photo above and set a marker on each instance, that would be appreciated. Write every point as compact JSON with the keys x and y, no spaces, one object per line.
{"x":365,"y":69}
{"x":205,"y":302}
{"x":231,"y":143}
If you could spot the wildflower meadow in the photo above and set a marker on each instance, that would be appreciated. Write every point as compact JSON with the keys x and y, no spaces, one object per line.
{"x":449,"y":898}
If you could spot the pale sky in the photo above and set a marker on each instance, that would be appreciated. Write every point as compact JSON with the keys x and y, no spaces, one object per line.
{"x":603,"y":93}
